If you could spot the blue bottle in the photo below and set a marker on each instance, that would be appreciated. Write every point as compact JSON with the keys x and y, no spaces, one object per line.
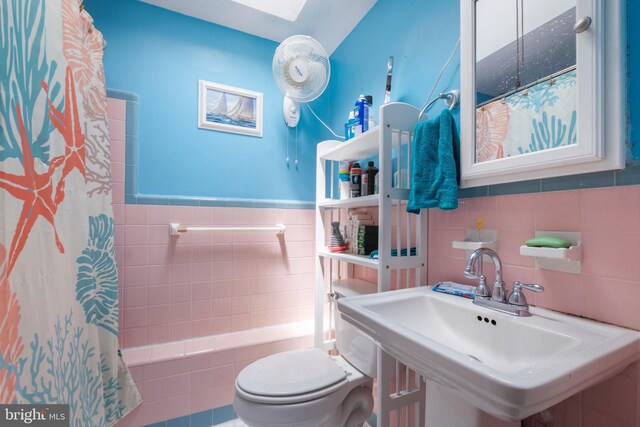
{"x":361,"y":115}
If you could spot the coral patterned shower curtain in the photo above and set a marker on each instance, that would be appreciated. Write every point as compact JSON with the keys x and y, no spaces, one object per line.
{"x":58,"y":277}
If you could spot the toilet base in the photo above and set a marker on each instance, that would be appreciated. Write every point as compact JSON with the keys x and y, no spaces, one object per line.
{"x":351,"y":410}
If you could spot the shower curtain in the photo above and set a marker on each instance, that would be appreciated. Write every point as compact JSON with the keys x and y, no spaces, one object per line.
{"x":58,"y":276}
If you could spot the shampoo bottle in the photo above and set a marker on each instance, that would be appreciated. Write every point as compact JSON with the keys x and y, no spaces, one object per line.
{"x":356,"y":176}
{"x":361,"y":115}
{"x":368,"y":179}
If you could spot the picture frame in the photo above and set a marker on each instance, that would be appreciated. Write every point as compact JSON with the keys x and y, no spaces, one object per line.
{"x":229,"y":109}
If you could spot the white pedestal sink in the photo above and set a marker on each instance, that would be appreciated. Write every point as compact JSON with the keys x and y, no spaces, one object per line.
{"x":510,"y":367}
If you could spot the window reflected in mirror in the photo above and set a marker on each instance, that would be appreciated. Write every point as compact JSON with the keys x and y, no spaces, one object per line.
{"x":525,"y":77}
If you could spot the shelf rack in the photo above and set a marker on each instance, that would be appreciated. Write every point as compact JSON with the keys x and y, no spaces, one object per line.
{"x":388,"y":142}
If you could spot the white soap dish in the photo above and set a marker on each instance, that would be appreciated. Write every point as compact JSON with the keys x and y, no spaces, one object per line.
{"x":568,"y":260}
{"x":476,"y":240}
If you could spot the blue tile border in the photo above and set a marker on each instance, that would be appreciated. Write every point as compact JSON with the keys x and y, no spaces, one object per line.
{"x":132,"y":197}
{"x":628,"y":176}
{"x":208,"y":418}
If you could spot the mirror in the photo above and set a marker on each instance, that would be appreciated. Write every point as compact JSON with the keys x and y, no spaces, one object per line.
{"x":537,"y":93}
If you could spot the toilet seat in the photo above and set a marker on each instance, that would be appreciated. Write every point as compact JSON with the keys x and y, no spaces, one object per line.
{"x":291,"y":377}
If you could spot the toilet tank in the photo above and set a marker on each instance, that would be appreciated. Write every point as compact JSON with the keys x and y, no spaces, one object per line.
{"x":353,"y":345}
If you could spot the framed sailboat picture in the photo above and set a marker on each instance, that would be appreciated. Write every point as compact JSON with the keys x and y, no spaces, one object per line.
{"x":229,"y":109}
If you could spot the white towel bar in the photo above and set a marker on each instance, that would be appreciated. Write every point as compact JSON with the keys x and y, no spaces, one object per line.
{"x":176,"y":229}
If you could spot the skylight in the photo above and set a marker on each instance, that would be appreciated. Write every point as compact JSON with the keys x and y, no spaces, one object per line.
{"x":285,"y":9}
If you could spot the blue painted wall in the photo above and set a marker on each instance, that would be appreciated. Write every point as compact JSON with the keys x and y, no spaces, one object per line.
{"x":420,"y":35}
{"x":160,"y":55}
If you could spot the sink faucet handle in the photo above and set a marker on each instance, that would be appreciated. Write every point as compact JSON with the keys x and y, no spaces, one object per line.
{"x":517,"y":297}
{"x":482,"y":290}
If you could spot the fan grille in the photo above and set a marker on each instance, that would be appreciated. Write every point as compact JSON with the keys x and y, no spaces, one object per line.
{"x":307,"y":52}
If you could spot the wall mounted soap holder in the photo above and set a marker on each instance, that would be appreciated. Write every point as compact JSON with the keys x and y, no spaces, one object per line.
{"x":568,"y":260}
{"x":477,"y":239}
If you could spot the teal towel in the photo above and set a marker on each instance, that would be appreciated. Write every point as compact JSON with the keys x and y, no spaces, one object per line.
{"x":434,"y":164}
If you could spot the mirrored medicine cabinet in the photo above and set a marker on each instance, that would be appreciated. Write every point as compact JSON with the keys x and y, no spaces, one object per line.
{"x":542,"y":89}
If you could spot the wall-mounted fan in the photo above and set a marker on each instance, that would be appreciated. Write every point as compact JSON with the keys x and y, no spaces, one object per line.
{"x":301,"y":71}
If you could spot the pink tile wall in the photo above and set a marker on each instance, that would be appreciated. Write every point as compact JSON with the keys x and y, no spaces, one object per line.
{"x":174,"y":288}
{"x":193,"y":384}
{"x":210,"y":283}
{"x":199,"y":284}
{"x":608,"y":289}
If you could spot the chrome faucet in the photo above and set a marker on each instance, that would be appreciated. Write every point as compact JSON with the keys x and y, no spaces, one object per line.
{"x":516,"y":304}
{"x":475,"y":263}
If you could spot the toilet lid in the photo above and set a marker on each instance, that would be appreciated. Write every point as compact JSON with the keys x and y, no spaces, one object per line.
{"x":291,"y":373}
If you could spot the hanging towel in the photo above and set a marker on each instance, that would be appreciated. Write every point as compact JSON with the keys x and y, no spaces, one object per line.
{"x":434,"y":164}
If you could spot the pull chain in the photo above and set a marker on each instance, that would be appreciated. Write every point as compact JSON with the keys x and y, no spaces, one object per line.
{"x":519,"y":40}
{"x":296,"y":147}
{"x":287,"y":159}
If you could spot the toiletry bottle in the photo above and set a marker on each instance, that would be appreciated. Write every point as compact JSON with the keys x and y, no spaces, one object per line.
{"x":361,"y":115}
{"x":348,"y":127}
{"x":372,"y":122}
{"x":356,"y":176}
{"x":368,"y":179}
{"x":344,"y":180}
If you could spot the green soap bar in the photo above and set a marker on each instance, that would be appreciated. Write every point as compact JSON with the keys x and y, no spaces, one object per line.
{"x":548,"y":242}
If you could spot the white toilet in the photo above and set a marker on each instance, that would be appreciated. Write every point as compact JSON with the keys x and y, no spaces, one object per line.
{"x":309,"y":388}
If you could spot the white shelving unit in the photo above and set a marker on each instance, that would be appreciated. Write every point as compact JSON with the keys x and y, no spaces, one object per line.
{"x":389,"y":143}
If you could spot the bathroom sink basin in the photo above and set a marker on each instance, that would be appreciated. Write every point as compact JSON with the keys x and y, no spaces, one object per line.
{"x":511,"y":367}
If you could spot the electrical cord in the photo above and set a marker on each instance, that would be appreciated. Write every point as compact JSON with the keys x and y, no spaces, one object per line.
{"x":453,"y":52}
{"x":325,"y":125}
